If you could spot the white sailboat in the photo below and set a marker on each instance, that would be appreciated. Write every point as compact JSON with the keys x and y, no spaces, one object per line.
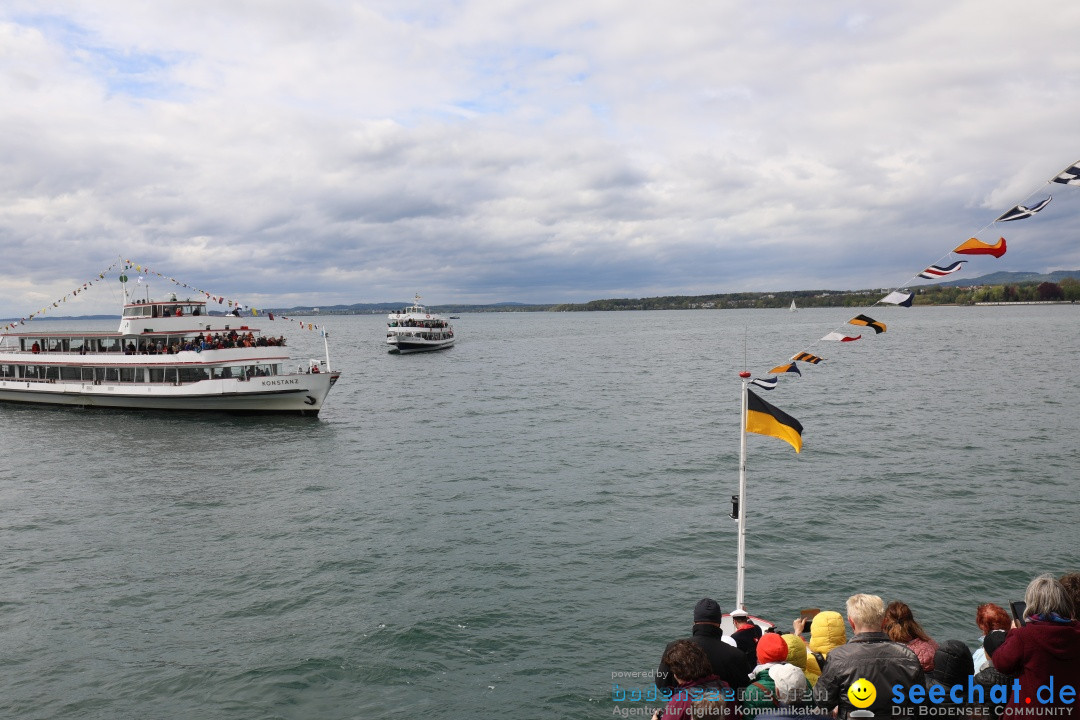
{"x":793,"y":308}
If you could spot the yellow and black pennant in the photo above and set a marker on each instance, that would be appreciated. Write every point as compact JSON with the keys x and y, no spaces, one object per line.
{"x":879,"y":327}
{"x":764,"y":419}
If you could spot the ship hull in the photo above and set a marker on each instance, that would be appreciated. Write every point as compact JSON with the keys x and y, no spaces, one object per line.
{"x":296,"y":395}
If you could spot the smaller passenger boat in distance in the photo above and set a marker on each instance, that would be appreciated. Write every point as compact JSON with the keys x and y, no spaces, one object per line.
{"x":417,"y":329}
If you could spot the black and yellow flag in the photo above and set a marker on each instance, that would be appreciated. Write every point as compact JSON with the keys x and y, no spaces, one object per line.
{"x":764,"y":419}
{"x":879,"y":327}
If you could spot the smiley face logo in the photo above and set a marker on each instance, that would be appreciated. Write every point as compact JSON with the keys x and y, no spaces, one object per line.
{"x":862,"y":693}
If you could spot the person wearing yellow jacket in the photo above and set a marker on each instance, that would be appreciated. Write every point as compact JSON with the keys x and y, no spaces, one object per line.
{"x":797,"y":656}
{"x":827,"y":631}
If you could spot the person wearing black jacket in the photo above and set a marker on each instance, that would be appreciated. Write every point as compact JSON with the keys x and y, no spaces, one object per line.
{"x":728,"y":662}
{"x":990,"y":676}
{"x":870,"y":655}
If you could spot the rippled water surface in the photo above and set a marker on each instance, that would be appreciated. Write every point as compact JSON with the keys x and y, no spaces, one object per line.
{"x":500,"y":527}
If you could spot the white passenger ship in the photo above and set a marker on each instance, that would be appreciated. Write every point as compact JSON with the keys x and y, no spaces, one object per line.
{"x":166,"y":355}
{"x":416,"y":329}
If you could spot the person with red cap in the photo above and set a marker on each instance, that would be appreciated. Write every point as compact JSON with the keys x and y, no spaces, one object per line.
{"x":775,"y":683}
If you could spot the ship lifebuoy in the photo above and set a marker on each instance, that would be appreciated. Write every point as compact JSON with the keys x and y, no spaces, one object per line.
{"x":428,"y":317}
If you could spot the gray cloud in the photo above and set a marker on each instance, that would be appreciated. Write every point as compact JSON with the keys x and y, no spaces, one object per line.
{"x":343,"y":152}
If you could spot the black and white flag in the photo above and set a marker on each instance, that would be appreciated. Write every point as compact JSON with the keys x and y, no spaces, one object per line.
{"x":1020,"y":212}
{"x":1070,"y":175}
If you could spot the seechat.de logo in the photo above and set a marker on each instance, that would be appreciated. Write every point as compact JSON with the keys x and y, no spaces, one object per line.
{"x":862,"y":693}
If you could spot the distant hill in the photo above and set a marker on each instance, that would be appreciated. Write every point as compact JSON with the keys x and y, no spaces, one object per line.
{"x":805,"y":298}
{"x":1014,"y":278}
{"x":997,"y":278}
{"x":385,"y":307}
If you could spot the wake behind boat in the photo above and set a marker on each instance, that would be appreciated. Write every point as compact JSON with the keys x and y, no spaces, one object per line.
{"x":166,"y":355}
{"x":417,"y":329}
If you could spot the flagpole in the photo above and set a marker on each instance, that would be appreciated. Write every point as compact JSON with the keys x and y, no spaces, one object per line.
{"x":740,"y":572}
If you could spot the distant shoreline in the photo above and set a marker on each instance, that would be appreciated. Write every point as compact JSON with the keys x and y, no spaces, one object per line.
{"x":479,"y":309}
{"x":1061,"y":287}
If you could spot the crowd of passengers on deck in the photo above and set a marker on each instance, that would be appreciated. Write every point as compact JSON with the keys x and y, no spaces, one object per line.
{"x":419,"y":323}
{"x":1024,"y":665}
{"x":203,"y":342}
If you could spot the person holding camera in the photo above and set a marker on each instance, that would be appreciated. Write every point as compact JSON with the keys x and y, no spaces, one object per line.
{"x":827,"y":632}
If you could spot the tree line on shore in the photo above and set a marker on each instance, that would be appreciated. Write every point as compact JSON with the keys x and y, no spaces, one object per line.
{"x":1067,"y":290}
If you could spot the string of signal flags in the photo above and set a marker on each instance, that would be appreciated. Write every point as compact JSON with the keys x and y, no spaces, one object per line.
{"x":60,"y":301}
{"x":235,"y":306}
{"x":765,"y":419}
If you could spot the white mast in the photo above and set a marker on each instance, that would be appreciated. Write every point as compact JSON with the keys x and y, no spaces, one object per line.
{"x":123,"y":280}
{"x":740,"y":572}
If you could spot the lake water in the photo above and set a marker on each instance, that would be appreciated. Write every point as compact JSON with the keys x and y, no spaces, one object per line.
{"x":502,"y":526}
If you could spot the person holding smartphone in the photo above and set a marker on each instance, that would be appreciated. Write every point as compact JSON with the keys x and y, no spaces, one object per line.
{"x":1045,"y":646}
{"x":827,"y":632}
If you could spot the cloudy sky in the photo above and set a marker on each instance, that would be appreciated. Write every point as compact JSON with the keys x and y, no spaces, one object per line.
{"x":477,"y":151}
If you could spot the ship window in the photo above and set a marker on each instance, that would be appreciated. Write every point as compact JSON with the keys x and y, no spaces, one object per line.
{"x":188,"y":374}
{"x":7,"y":371}
{"x":70,"y":373}
{"x":157,"y":375}
{"x":127,"y":374}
